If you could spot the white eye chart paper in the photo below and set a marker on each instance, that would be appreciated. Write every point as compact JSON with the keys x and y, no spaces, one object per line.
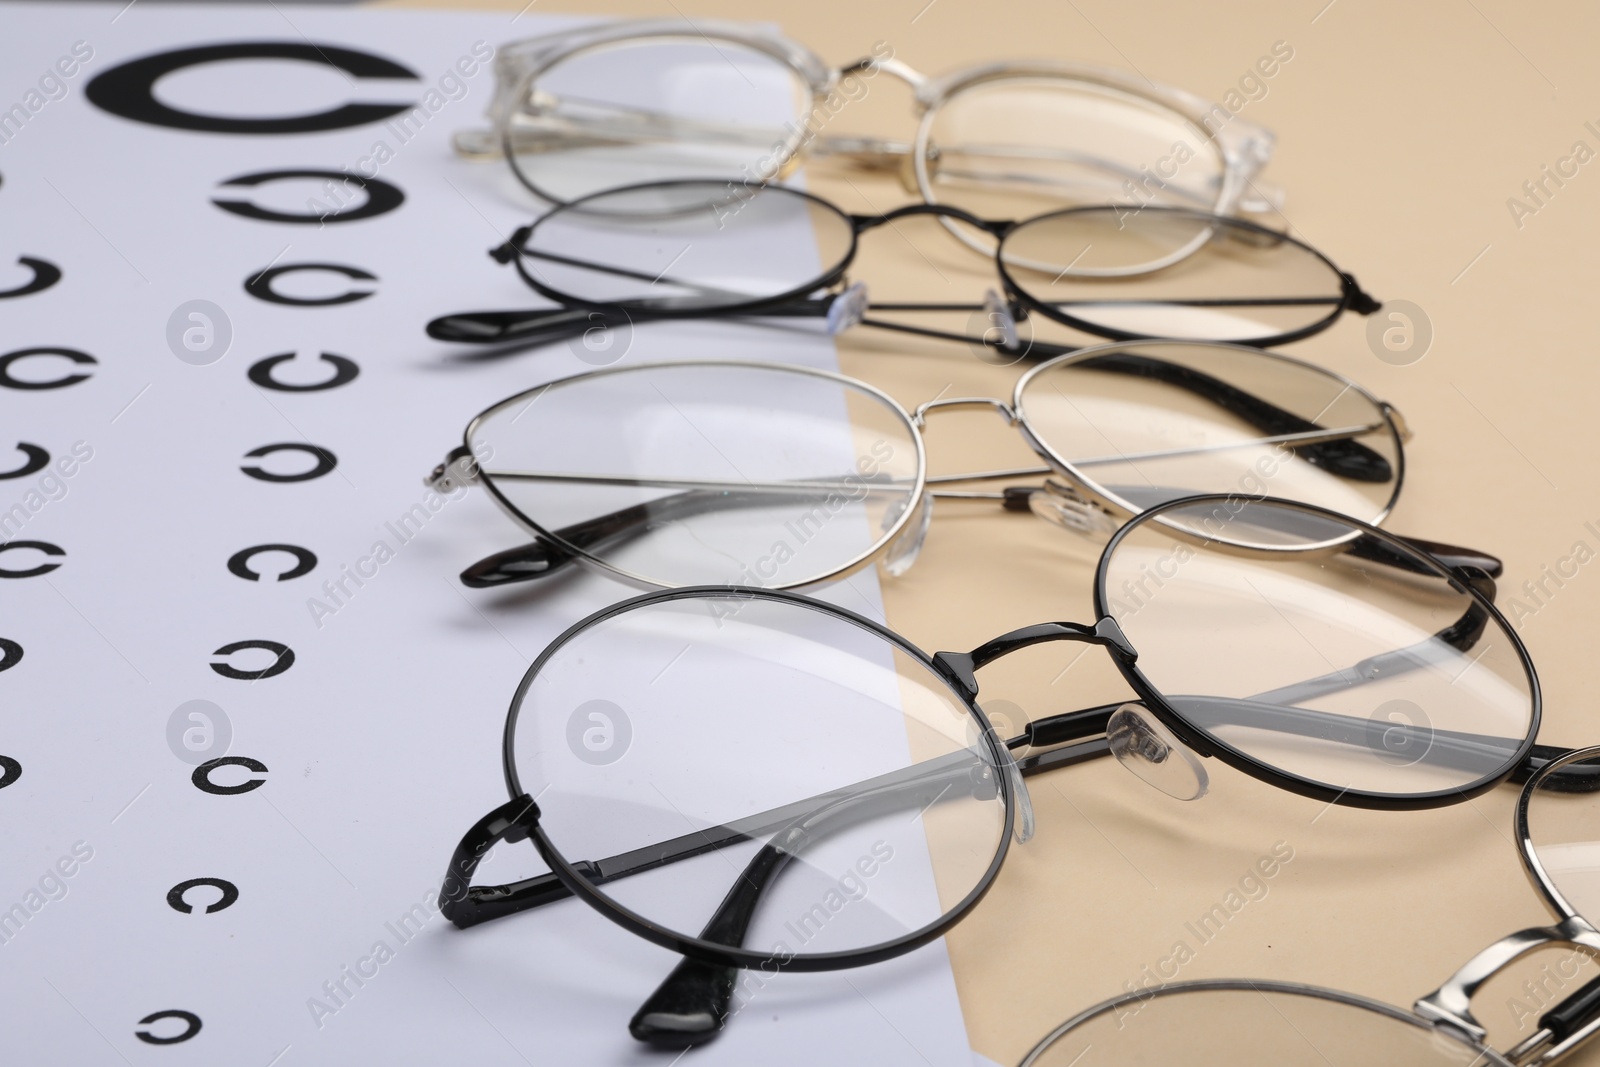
{"x":238,"y":738}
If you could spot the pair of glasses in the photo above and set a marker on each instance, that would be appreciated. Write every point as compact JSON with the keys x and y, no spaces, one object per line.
{"x":759,"y":780}
{"x":590,"y":109}
{"x":784,"y":477}
{"x":704,"y":249}
{"x":1557,"y":825}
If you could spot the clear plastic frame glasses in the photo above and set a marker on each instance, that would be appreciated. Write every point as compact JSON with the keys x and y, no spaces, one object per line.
{"x":673,"y":474}
{"x":700,"y":249}
{"x":630,"y":101}
{"x":800,"y":788}
{"x":1557,"y":826}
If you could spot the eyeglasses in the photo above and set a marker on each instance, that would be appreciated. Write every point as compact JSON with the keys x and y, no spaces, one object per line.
{"x":697,"y":249}
{"x":1557,"y":826}
{"x":598,"y":107}
{"x":756,"y":779}
{"x":675,"y":474}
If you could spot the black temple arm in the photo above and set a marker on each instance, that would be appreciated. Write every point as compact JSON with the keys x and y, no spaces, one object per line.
{"x":1346,"y":458}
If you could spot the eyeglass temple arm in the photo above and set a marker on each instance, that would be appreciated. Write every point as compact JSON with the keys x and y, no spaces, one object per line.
{"x":691,"y":1004}
{"x":467,"y":905}
{"x":541,"y":557}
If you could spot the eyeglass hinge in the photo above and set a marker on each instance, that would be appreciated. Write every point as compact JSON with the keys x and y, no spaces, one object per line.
{"x":1108,"y":631}
{"x":509,"y":250}
{"x":957,"y":669}
{"x":458,"y":470}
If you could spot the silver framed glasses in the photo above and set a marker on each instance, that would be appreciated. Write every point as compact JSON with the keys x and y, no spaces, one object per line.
{"x":648,"y":100}
{"x":1557,"y":825}
{"x":672,"y":474}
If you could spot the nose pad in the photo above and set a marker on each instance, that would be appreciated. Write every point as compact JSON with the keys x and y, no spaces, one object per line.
{"x":1019,"y":789}
{"x":985,"y":786}
{"x":1147,"y":748}
{"x":905,"y":548}
{"x":1060,"y":504}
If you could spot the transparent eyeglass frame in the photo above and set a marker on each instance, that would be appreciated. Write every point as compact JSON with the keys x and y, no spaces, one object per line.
{"x":1245,"y":147}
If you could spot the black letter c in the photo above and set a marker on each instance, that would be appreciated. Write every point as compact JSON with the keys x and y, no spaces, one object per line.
{"x":55,"y":383}
{"x":32,"y":572}
{"x":230,"y":893}
{"x":382,"y":197}
{"x":326,"y":461}
{"x":37,"y":459}
{"x":202,"y":775}
{"x":45,"y":274}
{"x":191,"y":1027}
{"x":260,"y":285}
{"x":344,"y":372}
{"x":284,"y":661}
{"x":128,"y":90}
{"x":239,"y":562}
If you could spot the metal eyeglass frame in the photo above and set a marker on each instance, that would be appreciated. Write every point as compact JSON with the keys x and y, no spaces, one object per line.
{"x":1448,"y":1009}
{"x":823,"y":297}
{"x":1076,"y":503}
{"x":1245,"y":147}
{"x":692,"y":1004}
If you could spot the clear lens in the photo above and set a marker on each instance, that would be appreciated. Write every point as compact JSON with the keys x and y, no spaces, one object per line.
{"x":1156,"y":273}
{"x":684,"y":246}
{"x":1257,"y":1023}
{"x":768,"y":749}
{"x":683,"y":474}
{"x":1564,"y":832}
{"x":1147,"y":422}
{"x":1022,"y":145}
{"x":1364,"y":668}
{"x":654,"y":109}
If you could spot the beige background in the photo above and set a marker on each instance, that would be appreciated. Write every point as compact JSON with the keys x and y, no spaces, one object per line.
{"x":1402,"y":132}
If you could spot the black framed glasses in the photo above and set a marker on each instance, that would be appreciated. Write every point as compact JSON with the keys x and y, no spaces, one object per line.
{"x":756,"y":779}
{"x":1557,"y":823}
{"x":689,"y":473}
{"x":696,"y":248}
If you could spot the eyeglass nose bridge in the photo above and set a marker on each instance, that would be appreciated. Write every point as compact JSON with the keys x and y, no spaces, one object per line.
{"x":919,"y":417}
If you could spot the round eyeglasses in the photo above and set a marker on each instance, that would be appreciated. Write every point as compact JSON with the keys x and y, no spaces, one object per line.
{"x":756,"y":779}
{"x":696,"y":249}
{"x":1557,"y":825}
{"x":675,"y":474}
{"x":601,"y":106}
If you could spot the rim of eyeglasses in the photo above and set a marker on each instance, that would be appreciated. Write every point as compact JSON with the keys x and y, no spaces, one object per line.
{"x":1542,"y":882}
{"x":994,"y":751}
{"x":1241,"y":154}
{"x":1488,"y":1056}
{"x":1126,"y":510}
{"x":907,"y":514}
{"x":1210,"y":745}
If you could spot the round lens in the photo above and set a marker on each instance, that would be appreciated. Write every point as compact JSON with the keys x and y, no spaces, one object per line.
{"x":706,"y":473}
{"x":1129,"y":272}
{"x":1562,"y":832}
{"x":1147,"y":422}
{"x":1253,"y":1023}
{"x":765,"y":774}
{"x":1023,"y":144}
{"x":653,"y":109}
{"x":687,"y":247}
{"x":1365,"y":668}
